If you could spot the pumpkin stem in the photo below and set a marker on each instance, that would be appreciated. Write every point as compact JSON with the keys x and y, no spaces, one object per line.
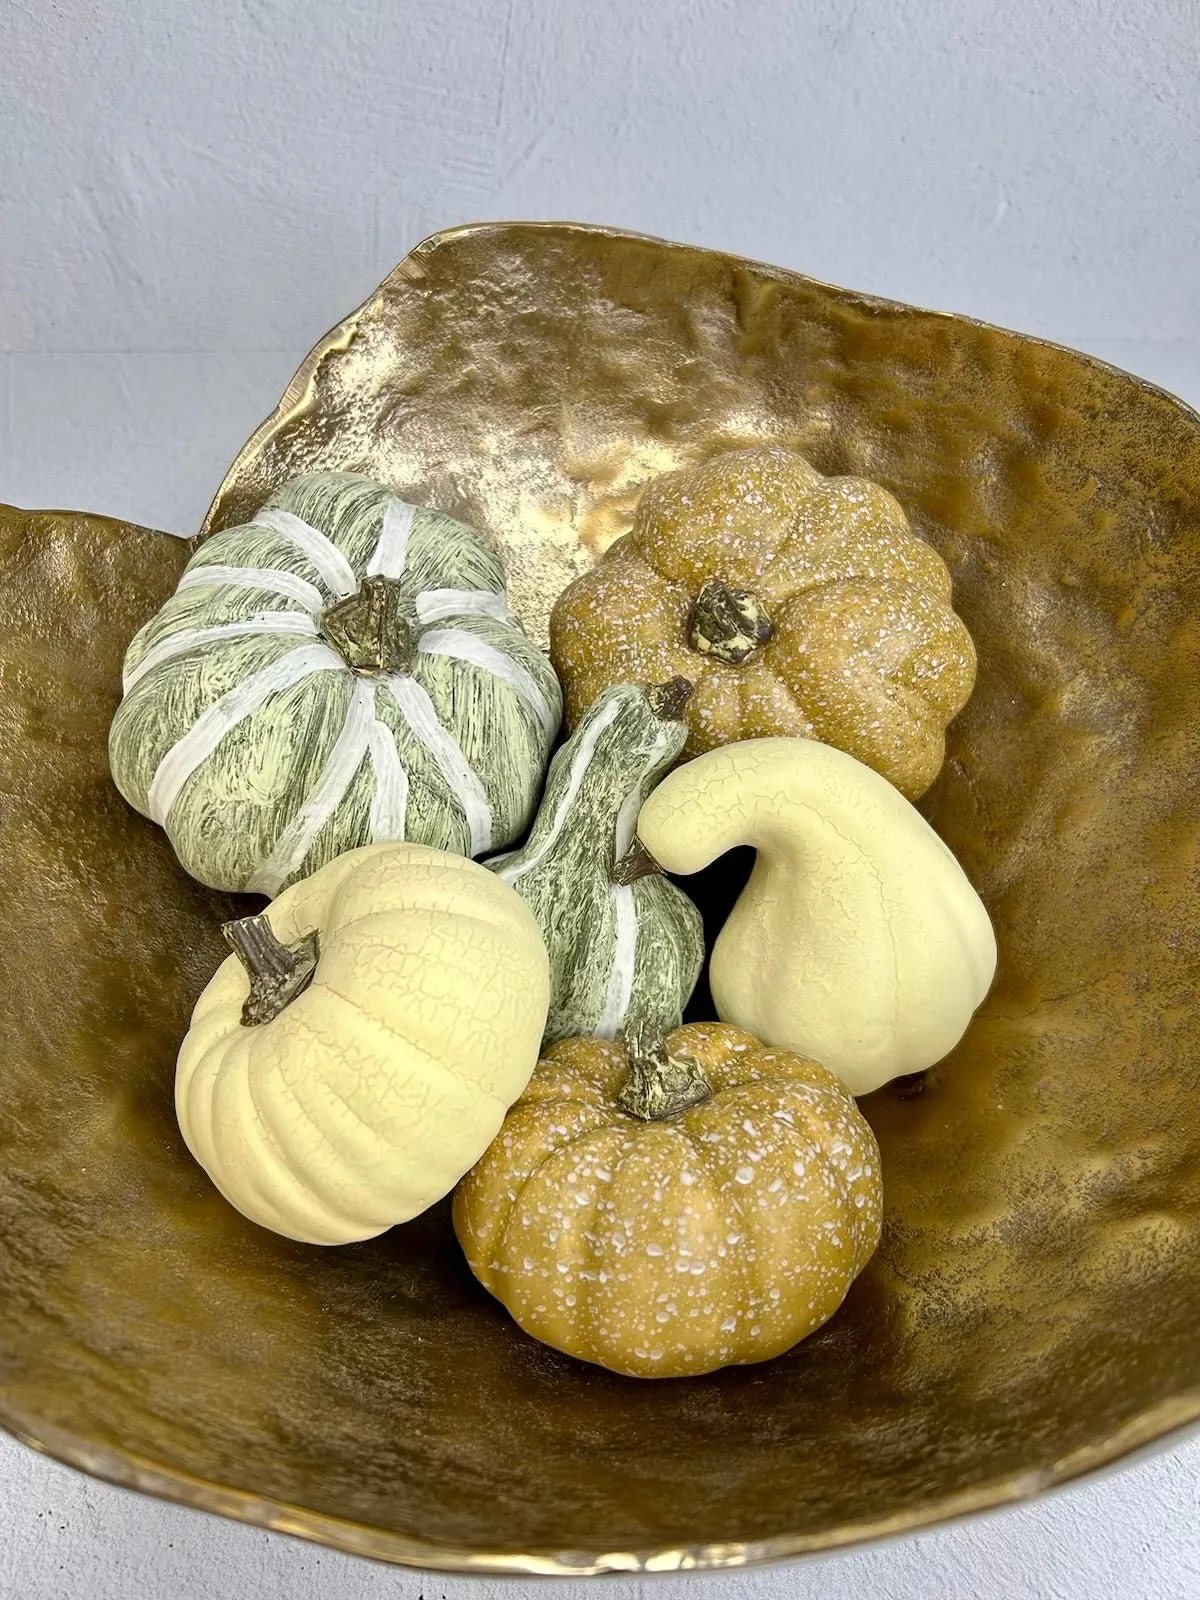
{"x":368,"y":629}
{"x":637,"y":862}
{"x":659,"y":1085}
{"x":277,"y":972}
{"x":730,"y":624}
{"x":667,"y":700}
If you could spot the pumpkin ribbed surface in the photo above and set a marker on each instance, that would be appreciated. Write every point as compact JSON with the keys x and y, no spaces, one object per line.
{"x":661,"y":1249}
{"x":368,"y":1097}
{"x":265,"y":744}
{"x":797,"y":604}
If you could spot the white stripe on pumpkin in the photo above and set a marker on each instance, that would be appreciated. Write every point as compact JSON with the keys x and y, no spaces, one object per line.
{"x":238,"y":703}
{"x":391,"y":551}
{"x":436,"y":605}
{"x":389,"y":805}
{"x":418,"y":711}
{"x":275,"y":581}
{"x":627,"y":816}
{"x":325,"y":796}
{"x":621,"y":974}
{"x":469,"y":647}
{"x":316,"y":547}
{"x":189,"y":639}
{"x":580,"y":762}
{"x":624,"y":967}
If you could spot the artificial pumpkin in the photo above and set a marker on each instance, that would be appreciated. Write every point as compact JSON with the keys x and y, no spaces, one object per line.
{"x":796,"y":603}
{"x":623,"y":941}
{"x":666,"y":1207}
{"x":341,"y":670}
{"x":358,"y":1052}
{"x":858,"y":939}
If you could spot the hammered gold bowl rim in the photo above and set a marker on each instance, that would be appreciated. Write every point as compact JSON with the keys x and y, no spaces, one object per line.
{"x":298,"y":392}
{"x":1154,"y":1433}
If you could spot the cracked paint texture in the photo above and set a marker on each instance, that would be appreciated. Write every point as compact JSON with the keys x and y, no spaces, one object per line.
{"x":370,"y":1095}
{"x":858,"y":939}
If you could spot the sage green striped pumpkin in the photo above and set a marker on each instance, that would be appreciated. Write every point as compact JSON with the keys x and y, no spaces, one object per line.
{"x":625,"y":944}
{"x":341,"y":670}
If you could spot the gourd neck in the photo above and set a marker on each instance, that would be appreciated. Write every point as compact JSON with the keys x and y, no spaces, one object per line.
{"x":369,"y":631}
{"x":729,"y":624}
{"x":660,"y":1085}
{"x":278,"y":972}
{"x":601,"y":777}
{"x":667,"y":702}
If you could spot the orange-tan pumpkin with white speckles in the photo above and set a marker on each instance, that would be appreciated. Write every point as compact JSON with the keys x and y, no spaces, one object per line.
{"x":664,"y":1215}
{"x":796,"y":603}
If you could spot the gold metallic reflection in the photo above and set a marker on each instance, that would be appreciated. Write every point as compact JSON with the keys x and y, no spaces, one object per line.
{"x":1031,"y":1313}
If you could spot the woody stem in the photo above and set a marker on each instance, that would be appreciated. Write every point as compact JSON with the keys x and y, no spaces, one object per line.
{"x":659,"y":1085}
{"x":727,"y":623}
{"x":368,"y":629}
{"x":277,"y":972}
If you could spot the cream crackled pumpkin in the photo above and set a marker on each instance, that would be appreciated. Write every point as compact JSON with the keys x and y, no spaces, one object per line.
{"x":668,"y":1206}
{"x":359,"y":1050}
{"x":341,"y":670}
{"x":796,"y":604}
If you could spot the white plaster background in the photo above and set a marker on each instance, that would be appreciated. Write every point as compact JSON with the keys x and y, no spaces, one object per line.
{"x":191,"y":193}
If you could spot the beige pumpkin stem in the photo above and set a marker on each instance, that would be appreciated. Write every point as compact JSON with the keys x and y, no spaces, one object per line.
{"x":727,"y":623}
{"x":659,"y":1085}
{"x":277,"y":972}
{"x":368,"y":630}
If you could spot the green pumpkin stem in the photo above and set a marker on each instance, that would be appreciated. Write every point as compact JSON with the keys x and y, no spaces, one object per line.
{"x":727,"y":623}
{"x":277,"y":972}
{"x":659,"y":1085}
{"x":368,"y":629}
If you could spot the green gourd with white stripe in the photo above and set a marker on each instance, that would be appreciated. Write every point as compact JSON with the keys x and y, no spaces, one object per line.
{"x":339,"y":671}
{"x":625,"y":944}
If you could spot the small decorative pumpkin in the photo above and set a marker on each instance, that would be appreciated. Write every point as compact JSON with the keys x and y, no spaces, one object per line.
{"x":797,"y":604}
{"x":858,"y":939}
{"x":665,"y":1208}
{"x":342,"y":669}
{"x":358,"y":1052}
{"x":623,"y":941}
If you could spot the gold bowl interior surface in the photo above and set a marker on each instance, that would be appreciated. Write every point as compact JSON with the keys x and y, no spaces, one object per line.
{"x":1032,"y":1311}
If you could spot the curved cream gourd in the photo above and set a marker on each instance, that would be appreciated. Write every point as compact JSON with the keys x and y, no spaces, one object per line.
{"x":858,"y":939}
{"x":366,"y":1082}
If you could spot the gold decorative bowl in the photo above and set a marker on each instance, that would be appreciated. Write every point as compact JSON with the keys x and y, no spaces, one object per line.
{"x":1032,"y":1312}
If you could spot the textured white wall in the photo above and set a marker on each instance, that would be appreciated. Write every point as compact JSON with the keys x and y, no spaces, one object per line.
{"x":232,"y":176}
{"x":191,"y":193}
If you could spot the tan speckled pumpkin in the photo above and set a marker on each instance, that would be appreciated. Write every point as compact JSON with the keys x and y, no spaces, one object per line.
{"x":797,"y":604}
{"x":674,"y":1206}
